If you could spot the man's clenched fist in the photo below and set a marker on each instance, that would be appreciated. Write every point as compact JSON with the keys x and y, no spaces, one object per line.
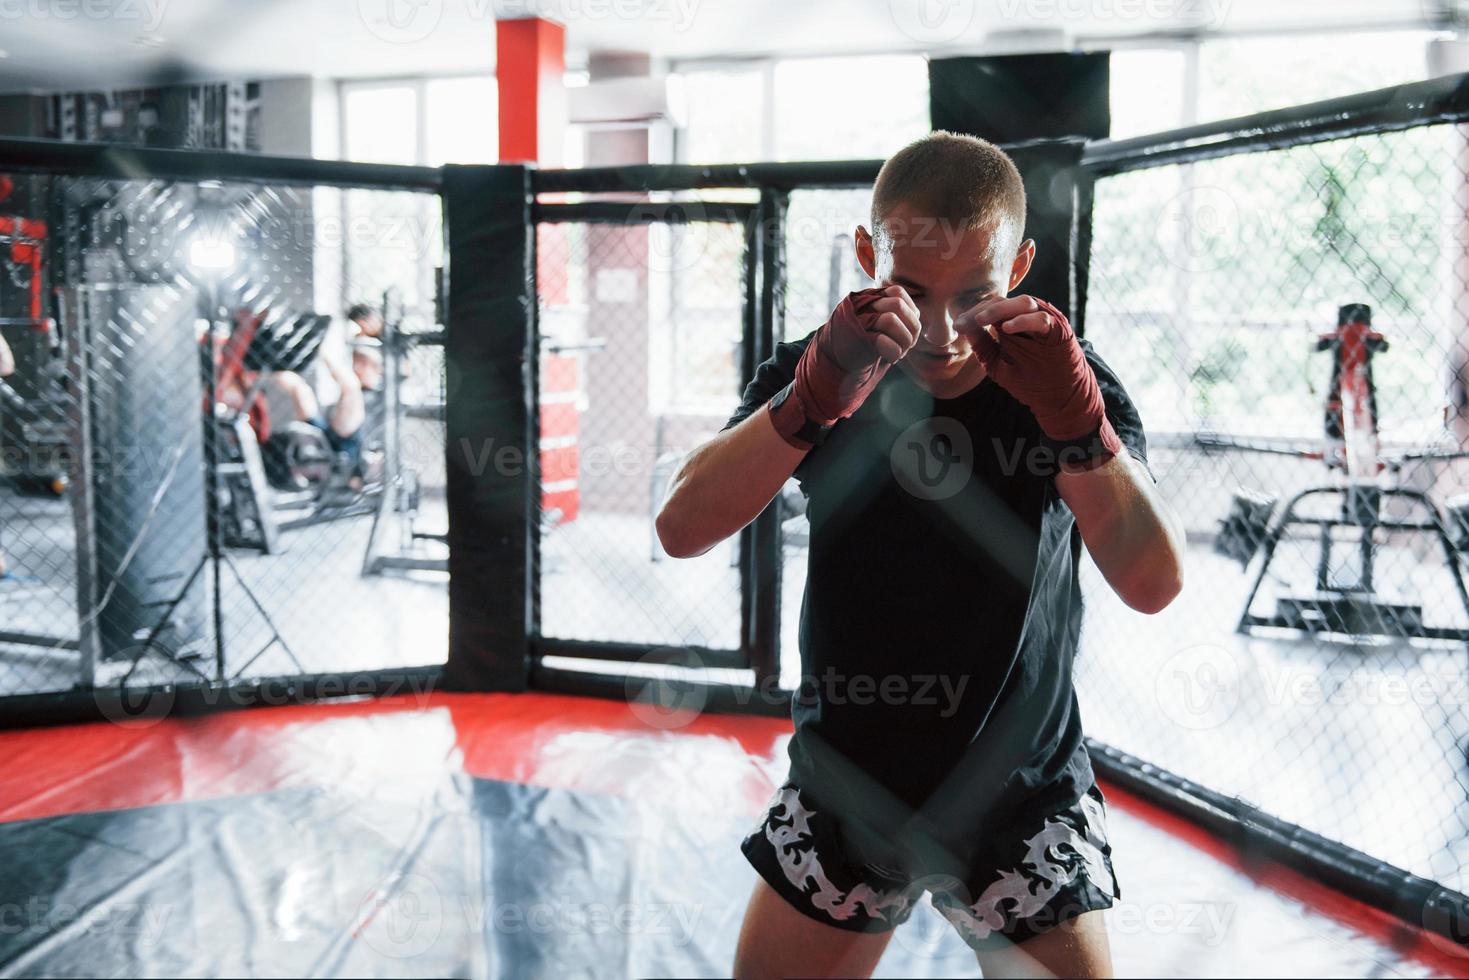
{"x":868,"y":332}
{"x":1028,"y":348}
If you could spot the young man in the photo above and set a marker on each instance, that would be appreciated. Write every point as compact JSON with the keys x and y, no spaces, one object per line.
{"x":956,"y":444}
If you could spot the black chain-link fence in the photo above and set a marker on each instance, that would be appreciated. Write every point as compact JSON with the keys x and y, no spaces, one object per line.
{"x":641,"y":326}
{"x":821,"y":267}
{"x":208,"y":472}
{"x":1292,"y":325}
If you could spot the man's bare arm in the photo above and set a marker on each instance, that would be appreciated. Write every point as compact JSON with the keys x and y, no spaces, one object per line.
{"x":724,"y":485}
{"x":1132,"y":534}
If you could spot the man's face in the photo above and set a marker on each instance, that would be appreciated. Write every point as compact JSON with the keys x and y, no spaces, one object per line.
{"x":946,"y":269}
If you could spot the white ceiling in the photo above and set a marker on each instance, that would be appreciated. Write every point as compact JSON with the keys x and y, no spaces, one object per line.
{"x":70,"y":44}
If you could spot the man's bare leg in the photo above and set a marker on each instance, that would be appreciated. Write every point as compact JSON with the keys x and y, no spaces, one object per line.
{"x":1076,"y":948}
{"x":777,"y":941}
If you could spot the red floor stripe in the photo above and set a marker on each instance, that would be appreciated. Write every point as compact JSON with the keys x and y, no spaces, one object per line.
{"x":102,"y":766}
{"x":1411,"y":942}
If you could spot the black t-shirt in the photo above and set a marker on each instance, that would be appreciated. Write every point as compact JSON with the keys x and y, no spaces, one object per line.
{"x":940,"y":618}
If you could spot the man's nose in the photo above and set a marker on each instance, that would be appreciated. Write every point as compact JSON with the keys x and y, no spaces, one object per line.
{"x":938,"y":326}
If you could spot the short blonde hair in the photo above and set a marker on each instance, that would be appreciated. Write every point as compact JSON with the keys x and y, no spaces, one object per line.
{"x":953,"y":178}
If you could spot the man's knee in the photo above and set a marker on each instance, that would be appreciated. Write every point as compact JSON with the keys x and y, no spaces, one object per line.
{"x":777,"y":940}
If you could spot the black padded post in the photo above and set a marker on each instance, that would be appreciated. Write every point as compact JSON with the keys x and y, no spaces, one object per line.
{"x":1044,"y":107}
{"x":1019,"y":97}
{"x":491,"y":430}
{"x":1054,"y":208}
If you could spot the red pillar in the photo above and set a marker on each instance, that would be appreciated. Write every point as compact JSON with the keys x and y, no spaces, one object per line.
{"x":530,"y":63}
{"x":530,"y":59}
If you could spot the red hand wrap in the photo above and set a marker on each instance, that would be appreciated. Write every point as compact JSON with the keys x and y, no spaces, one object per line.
{"x":838,"y":369}
{"x":1048,"y":374}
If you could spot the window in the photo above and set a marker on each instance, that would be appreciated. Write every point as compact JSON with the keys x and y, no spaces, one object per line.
{"x":1245,"y":75}
{"x":380,"y":122}
{"x":430,"y":121}
{"x":462,"y":121}
{"x":804,"y":109}
{"x":1154,"y":89}
{"x":392,"y":239}
{"x":1149,"y":90}
{"x":726,"y":116}
{"x":849,"y":108}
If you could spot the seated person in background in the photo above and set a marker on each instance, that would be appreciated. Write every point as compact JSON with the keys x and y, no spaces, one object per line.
{"x":7,"y":368}
{"x":289,"y":398}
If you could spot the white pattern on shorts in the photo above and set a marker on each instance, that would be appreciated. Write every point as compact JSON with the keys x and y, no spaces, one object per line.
{"x":797,"y":856}
{"x":1023,"y":895}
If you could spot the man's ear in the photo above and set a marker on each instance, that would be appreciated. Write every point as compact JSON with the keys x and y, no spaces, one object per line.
{"x":866,"y":252}
{"x":1023,"y":258}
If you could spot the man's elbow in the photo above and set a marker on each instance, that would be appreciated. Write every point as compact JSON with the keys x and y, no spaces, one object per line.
{"x":1156,"y":591}
{"x":666,"y":525}
{"x":673,"y":533}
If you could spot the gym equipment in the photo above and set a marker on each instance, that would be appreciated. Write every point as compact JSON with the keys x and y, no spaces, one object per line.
{"x":33,"y":421}
{"x":34,"y":403}
{"x":401,"y":492}
{"x":312,"y":482}
{"x":1351,"y":607}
